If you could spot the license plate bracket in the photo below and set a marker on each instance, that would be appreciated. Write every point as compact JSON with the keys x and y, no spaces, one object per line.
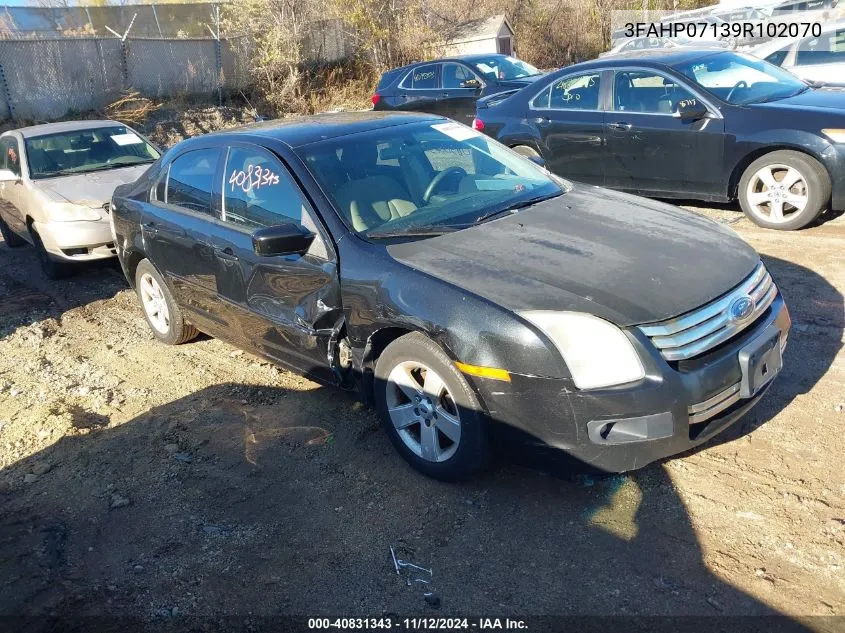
{"x":760,"y":361}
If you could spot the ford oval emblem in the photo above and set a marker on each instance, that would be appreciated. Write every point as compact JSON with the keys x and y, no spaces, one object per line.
{"x":741,"y":308}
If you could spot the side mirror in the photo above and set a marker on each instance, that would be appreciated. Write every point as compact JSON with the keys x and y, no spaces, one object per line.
{"x":537,"y":159}
{"x":283,"y":239}
{"x":690,"y":110}
{"x":7,"y":175}
{"x":471,"y":83}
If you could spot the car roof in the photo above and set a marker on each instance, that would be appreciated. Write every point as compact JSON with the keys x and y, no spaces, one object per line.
{"x":651,"y":57}
{"x":474,"y":57}
{"x":63,"y":126}
{"x":303,"y":130}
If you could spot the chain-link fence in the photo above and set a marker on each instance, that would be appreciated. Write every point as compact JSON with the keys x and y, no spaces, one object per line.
{"x":47,"y":78}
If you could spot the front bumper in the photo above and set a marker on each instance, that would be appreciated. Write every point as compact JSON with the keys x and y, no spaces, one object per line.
{"x":77,"y":241}
{"x":676,"y":407}
{"x":836,"y":168}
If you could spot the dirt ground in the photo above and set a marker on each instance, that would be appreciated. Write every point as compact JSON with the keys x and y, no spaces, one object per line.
{"x":199,"y":482}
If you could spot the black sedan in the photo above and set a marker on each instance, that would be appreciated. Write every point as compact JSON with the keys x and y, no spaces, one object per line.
{"x":685,"y":123}
{"x":451,"y":86}
{"x":456,"y":284}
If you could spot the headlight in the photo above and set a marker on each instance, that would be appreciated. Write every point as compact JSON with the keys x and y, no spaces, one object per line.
{"x":837,"y":135}
{"x":69,"y":212}
{"x":597,"y":353}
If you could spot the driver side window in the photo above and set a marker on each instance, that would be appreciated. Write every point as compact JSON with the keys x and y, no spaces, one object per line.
{"x":11,"y":155}
{"x":258,"y":192}
{"x":647,"y":92}
{"x":827,"y":49}
{"x":456,"y":75}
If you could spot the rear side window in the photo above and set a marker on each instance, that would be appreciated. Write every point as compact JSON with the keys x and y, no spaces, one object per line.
{"x":571,"y":93}
{"x":190,"y":182}
{"x":423,"y":77}
{"x":11,"y":158}
{"x":386,"y":79}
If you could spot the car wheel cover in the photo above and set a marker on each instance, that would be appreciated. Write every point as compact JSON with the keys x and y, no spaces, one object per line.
{"x":155,"y":305}
{"x":423,"y":411}
{"x":777,"y":193}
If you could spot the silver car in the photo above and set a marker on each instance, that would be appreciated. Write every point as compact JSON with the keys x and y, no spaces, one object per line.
{"x":56,"y":184}
{"x":820,"y":59}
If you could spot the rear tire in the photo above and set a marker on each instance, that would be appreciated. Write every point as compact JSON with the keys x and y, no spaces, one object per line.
{"x":12,"y":239}
{"x":160,"y":309}
{"x":54,"y":270}
{"x":429,"y":411}
{"x":784,"y":190}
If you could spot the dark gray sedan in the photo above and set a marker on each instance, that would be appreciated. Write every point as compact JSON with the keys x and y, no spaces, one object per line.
{"x":456,"y":284}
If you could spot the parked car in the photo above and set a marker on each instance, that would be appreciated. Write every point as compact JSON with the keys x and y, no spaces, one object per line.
{"x":753,"y":16}
{"x":56,"y":181}
{"x":450,"y":87}
{"x":650,"y":43}
{"x":457,"y":285}
{"x":793,"y":7}
{"x":685,"y":123}
{"x":817,"y":59}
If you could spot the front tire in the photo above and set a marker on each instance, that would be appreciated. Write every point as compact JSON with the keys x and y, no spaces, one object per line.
{"x":429,"y":411}
{"x":54,"y":270}
{"x":12,"y":239}
{"x":162,"y":312}
{"x":784,"y":190}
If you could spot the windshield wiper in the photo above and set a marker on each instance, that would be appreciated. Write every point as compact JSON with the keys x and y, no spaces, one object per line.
{"x":51,"y":174}
{"x":770,"y":98}
{"x":413,"y":231}
{"x":513,"y":208}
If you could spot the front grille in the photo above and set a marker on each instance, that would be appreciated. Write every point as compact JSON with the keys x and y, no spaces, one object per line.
{"x":696,"y":332}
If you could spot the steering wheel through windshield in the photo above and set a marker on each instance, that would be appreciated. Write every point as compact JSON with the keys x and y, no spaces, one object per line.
{"x":740,"y":84}
{"x":439,"y":178}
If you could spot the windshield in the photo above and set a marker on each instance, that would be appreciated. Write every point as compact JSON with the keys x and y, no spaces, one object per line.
{"x":423,"y":178}
{"x":502,"y":67}
{"x":80,"y":151}
{"x":742,"y":79}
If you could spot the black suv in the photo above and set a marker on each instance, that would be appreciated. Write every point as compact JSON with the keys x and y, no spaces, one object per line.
{"x":450,"y":87}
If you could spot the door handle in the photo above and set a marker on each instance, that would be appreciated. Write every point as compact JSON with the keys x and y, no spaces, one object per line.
{"x":226,"y":254}
{"x":149,"y":227}
{"x":621,"y":127}
{"x":543,"y":119}
{"x":444,"y":94}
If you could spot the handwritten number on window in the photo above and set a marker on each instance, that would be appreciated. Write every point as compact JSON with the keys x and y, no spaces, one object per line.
{"x":254,"y":177}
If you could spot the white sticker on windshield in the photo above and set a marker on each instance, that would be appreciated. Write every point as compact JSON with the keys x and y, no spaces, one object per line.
{"x":130,"y":138}
{"x":456,"y":131}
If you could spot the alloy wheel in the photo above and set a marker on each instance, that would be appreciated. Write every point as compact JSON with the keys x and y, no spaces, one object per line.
{"x":776,"y":193}
{"x":155,"y":305}
{"x":423,"y":411}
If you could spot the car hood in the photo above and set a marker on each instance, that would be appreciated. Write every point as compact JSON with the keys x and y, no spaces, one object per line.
{"x":93,"y":189}
{"x":620,"y":257}
{"x":824,"y":99}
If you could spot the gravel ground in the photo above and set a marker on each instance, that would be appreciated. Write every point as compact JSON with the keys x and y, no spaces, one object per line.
{"x":198,"y":481}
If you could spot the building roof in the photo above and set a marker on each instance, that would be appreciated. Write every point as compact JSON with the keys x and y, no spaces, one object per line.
{"x":477,"y":29}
